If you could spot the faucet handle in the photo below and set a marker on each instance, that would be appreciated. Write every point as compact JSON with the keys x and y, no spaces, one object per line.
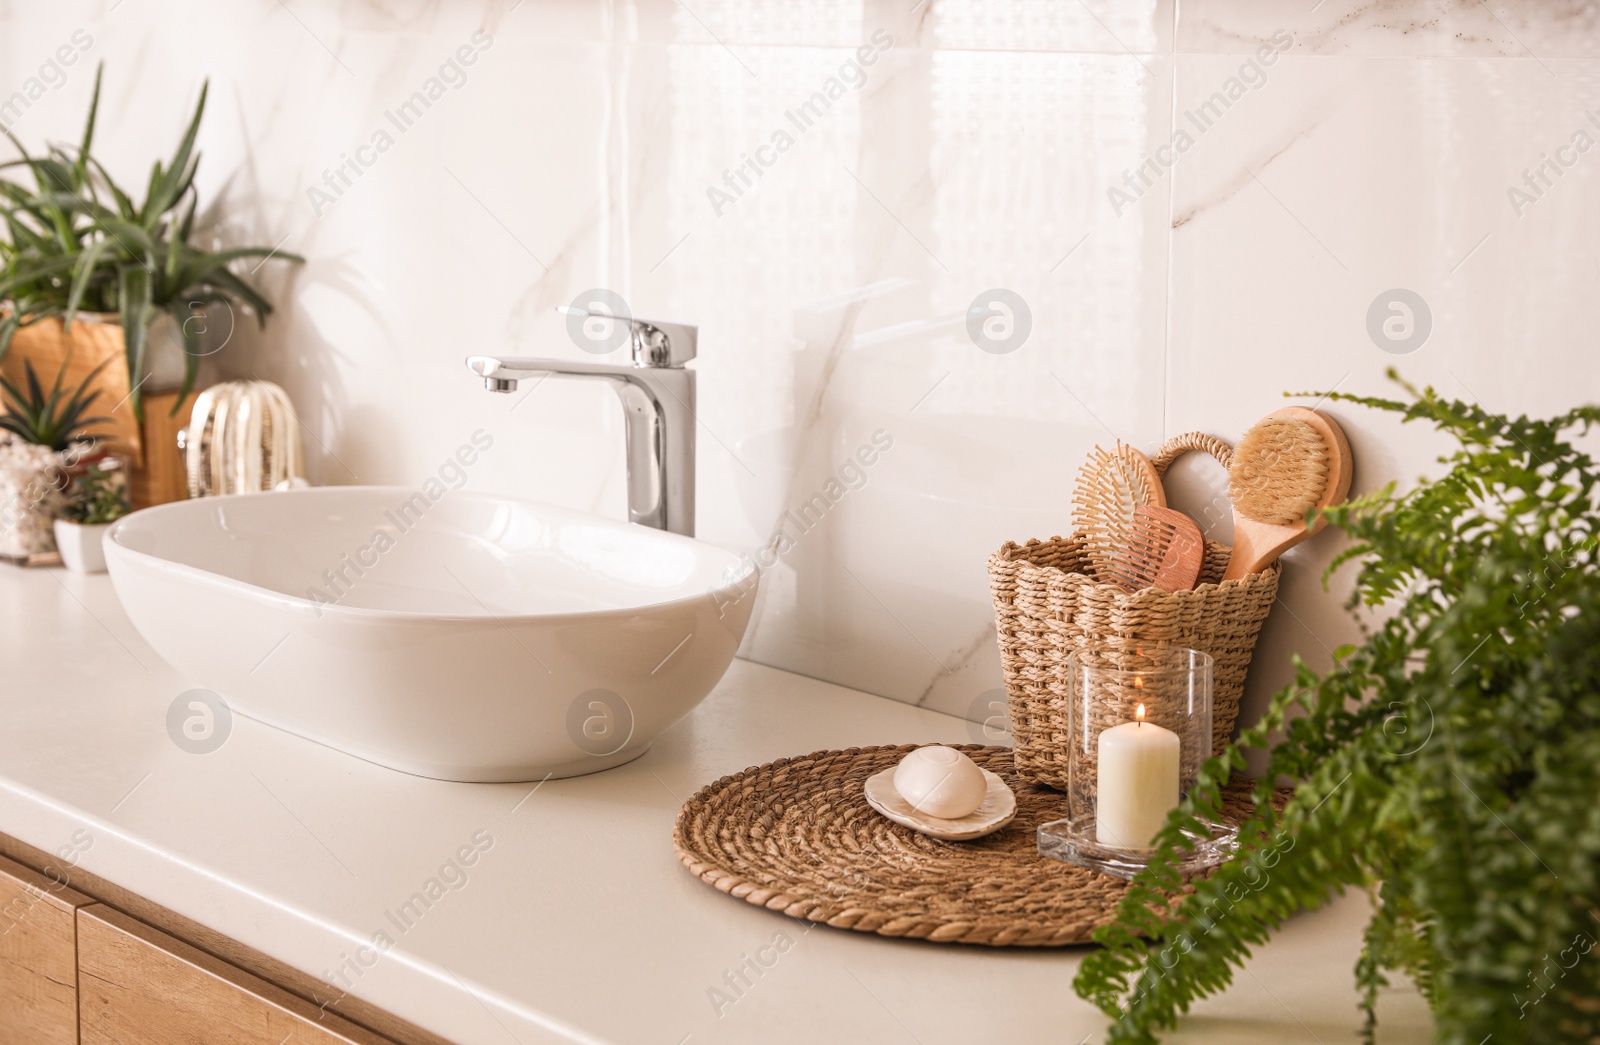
{"x":655,"y":343}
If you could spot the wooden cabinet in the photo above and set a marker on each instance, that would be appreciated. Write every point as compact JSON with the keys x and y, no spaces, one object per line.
{"x":139,"y":986}
{"x":75,"y":967}
{"x":38,"y":958}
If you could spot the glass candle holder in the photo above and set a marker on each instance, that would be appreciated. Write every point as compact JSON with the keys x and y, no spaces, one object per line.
{"x":1139,"y":728}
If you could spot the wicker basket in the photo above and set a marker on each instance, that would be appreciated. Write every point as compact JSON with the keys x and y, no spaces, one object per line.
{"x":1048,"y":603}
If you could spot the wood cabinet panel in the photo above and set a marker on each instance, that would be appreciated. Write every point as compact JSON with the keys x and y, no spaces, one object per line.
{"x":163,"y":477}
{"x":38,"y":958}
{"x":139,"y":986}
{"x":306,"y":986}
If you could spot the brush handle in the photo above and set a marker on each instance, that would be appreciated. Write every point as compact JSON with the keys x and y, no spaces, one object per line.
{"x":1256,"y":544}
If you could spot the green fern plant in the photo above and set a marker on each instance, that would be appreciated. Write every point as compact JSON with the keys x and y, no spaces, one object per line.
{"x":1449,"y":765}
{"x":75,"y":241}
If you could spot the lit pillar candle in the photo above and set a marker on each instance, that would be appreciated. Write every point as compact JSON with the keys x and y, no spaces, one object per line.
{"x":1137,"y":782}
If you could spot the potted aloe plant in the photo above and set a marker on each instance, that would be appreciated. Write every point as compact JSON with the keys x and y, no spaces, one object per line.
{"x":85,"y":268}
{"x":44,"y":445}
{"x":98,"y":498}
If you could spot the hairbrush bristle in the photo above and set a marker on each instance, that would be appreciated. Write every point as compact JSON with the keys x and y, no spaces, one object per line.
{"x":1279,"y":471}
{"x":1111,"y":484}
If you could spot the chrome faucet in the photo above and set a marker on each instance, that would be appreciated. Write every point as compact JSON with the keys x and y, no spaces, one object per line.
{"x":657,"y":394}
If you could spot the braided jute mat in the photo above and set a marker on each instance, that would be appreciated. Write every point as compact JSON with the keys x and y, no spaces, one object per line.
{"x":797,"y":836}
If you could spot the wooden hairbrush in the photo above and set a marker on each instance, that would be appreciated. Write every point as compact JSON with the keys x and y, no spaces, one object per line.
{"x":1111,"y":485}
{"x":1165,"y":550}
{"x":1289,"y":462}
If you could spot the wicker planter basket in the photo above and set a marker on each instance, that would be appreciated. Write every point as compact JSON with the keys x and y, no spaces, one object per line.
{"x":1048,"y":603}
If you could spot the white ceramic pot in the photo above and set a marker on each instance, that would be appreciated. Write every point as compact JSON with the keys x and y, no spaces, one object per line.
{"x":82,"y":548}
{"x":164,"y":356}
{"x":31,"y":480}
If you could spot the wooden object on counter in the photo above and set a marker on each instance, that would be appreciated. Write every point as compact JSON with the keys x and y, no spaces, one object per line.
{"x":314,"y":991}
{"x":1289,"y":462}
{"x":38,"y":958}
{"x":1111,"y":485}
{"x":163,"y":476}
{"x":139,"y":986}
{"x":843,"y":864}
{"x":1165,"y":550}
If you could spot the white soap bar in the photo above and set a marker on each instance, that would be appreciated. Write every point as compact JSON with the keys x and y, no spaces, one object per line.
{"x":940,"y":781}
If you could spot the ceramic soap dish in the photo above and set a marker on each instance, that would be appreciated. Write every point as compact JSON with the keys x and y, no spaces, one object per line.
{"x":998,"y":809}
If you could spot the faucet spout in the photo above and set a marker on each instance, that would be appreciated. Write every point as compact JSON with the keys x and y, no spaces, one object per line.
{"x":658,"y":402}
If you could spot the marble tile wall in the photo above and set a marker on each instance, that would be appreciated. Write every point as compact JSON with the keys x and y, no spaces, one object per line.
{"x":827,"y":189}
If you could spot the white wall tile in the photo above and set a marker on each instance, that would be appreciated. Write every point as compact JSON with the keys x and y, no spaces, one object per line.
{"x":988,"y":146}
{"x":1328,"y":186}
{"x":1534,"y":30}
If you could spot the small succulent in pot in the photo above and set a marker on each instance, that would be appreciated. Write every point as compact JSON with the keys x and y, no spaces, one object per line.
{"x":98,"y":498}
{"x":49,"y":420}
{"x":44,"y":443}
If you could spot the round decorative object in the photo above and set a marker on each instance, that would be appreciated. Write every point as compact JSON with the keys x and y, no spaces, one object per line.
{"x":996,"y":809}
{"x":798,"y":837}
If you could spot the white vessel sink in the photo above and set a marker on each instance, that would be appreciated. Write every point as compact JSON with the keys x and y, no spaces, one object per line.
{"x":470,"y":638}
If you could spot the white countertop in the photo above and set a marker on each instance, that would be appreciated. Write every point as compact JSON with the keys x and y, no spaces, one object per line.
{"x":578,"y":923}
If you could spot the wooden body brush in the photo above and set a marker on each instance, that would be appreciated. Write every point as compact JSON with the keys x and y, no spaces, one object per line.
{"x":1289,"y":462}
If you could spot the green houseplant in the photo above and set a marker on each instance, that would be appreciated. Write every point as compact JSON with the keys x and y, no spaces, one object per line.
{"x":98,"y":498}
{"x":75,"y":243}
{"x":1448,"y":765}
{"x":44,"y":443}
{"x":56,"y":419}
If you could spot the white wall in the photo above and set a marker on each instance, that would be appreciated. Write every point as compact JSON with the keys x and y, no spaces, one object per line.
{"x":1374,"y":153}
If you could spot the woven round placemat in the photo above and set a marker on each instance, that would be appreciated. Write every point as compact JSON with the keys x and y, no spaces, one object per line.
{"x":797,"y":836}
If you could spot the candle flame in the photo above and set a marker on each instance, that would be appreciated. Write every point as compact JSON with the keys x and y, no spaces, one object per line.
{"x":1138,"y":682}
{"x":1139,"y":714}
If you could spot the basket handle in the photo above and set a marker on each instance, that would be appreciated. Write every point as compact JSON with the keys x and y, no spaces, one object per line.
{"x":1179,"y":445}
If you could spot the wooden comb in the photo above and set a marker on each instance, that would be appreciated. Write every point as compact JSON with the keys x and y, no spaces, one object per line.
{"x":1164,"y":550}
